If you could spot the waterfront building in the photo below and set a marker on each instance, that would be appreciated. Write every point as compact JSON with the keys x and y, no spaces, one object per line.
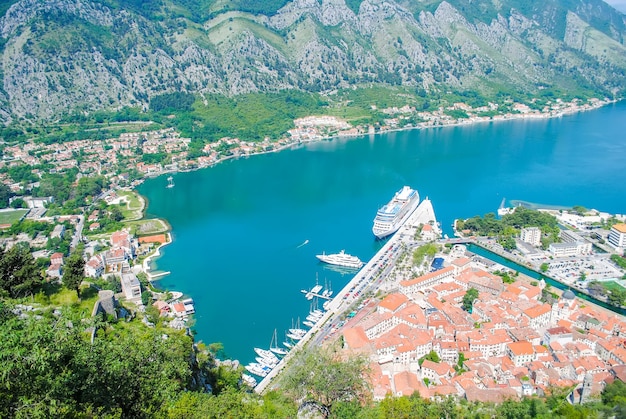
{"x":617,"y":236}
{"x":531,"y":235}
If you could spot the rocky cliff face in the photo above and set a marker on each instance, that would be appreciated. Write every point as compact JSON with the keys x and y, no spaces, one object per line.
{"x":62,"y":56}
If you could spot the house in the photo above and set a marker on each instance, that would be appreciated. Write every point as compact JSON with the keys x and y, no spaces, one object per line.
{"x":55,"y":271}
{"x":58,"y":232}
{"x":521,"y":352}
{"x":131,"y":287}
{"x":539,"y":316}
{"x":56,"y":258}
{"x":434,"y":371}
{"x":94,"y":267}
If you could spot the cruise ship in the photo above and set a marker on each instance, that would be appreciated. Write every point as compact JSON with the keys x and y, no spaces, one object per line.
{"x":341,"y":259}
{"x":391,"y":216}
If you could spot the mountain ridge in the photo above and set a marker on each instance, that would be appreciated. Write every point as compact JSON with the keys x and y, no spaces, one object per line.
{"x":63,"y":56}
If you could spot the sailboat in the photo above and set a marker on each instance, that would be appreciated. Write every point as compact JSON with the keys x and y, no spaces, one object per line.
{"x":170,"y":182}
{"x":274,"y":346}
{"x":289,"y":343}
{"x":327,"y":290}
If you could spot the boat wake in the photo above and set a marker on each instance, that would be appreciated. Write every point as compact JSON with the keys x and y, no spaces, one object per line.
{"x":303,"y":244}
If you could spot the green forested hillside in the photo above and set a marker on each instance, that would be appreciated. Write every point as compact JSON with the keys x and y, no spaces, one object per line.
{"x":61,"y":58}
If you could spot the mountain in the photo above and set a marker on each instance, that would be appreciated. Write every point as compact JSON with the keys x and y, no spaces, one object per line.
{"x":63,"y":56}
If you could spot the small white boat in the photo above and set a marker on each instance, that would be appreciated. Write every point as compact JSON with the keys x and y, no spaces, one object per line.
{"x":264,"y":353}
{"x":308,"y":323}
{"x":257,"y":369}
{"x":264,"y":362}
{"x":249,"y":380}
{"x":274,"y":346}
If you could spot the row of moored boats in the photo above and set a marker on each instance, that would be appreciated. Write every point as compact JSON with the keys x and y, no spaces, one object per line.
{"x":268,"y":359}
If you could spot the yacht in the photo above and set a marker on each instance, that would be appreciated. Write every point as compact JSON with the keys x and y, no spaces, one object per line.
{"x":308,"y":323}
{"x":249,"y":380}
{"x":340,"y":259}
{"x":266,"y":362}
{"x":392,"y":215}
{"x":257,"y":369}
{"x":264,"y":353}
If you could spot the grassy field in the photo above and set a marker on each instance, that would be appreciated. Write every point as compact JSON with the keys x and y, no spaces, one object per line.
{"x":9,"y":217}
{"x":612,"y":285}
{"x":134,"y":205}
{"x":147,"y":227}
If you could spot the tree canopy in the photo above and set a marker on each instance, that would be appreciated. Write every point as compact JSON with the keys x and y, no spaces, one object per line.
{"x":74,"y":271}
{"x":320,"y":378}
{"x":19,"y":275}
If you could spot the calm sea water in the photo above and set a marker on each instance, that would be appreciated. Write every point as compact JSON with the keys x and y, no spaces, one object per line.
{"x":239,"y":228}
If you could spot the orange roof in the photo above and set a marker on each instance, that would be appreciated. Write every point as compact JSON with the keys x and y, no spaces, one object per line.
{"x":426,"y":277}
{"x":406,"y":383}
{"x":157,"y":238}
{"x":521,"y":348}
{"x":537,"y":311}
{"x":392,"y":302}
{"x":355,"y":337}
{"x":621,"y":227}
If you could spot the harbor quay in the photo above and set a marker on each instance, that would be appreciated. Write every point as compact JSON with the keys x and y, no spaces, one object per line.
{"x":367,"y":279}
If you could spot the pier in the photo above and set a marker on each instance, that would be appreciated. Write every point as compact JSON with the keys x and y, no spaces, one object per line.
{"x":310,"y":294}
{"x":368,"y":277}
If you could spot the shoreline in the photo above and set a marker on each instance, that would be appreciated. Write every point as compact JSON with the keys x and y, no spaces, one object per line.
{"x":292,"y":145}
{"x":145,"y":265}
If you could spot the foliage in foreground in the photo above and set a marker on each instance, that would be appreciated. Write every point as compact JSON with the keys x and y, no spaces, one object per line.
{"x":50,"y":368}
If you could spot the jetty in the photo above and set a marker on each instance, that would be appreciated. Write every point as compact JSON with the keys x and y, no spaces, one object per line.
{"x":368,"y":276}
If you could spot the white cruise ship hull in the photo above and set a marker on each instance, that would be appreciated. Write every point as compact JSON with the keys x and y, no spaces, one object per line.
{"x":395,"y":213}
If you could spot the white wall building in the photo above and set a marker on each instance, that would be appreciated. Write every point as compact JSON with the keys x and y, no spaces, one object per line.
{"x":531,"y":235}
{"x":617,"y":235}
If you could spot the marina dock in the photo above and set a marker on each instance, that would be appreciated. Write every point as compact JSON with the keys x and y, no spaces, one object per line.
{"x":365,"y":278}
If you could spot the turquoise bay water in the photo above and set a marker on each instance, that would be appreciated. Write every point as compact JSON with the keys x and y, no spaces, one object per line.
{"x":239,"y":227}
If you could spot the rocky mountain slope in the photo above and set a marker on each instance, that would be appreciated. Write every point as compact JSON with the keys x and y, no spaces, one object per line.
{"x":61,"y":56}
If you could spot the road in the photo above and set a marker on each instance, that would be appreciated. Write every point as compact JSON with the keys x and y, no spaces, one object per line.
{"x":366,"y":281}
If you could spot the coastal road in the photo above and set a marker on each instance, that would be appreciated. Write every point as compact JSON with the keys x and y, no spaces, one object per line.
{"x":367,"y":280}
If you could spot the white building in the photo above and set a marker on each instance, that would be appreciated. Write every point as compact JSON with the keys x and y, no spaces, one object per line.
{"x":570,"y":249}
{"x":531,"y":235}
{"x":617,"y":235}
{"x":131,"y":287}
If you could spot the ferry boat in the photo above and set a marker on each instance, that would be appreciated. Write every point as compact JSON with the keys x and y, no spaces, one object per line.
{"x":341,"y":259}
{"x":392,"y":215}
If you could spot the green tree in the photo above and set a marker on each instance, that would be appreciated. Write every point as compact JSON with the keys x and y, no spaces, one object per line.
{"x":431,"y":356}
{"x":19,"y":275}
{"x":468,"y":299}
{"x":74,"y":271}
{"x":5,"y":193}
{"x":544,"y":267}
{"x":319,"y":378}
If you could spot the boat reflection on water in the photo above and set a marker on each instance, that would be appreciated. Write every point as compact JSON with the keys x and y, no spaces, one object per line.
{"x":343,"y":270}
